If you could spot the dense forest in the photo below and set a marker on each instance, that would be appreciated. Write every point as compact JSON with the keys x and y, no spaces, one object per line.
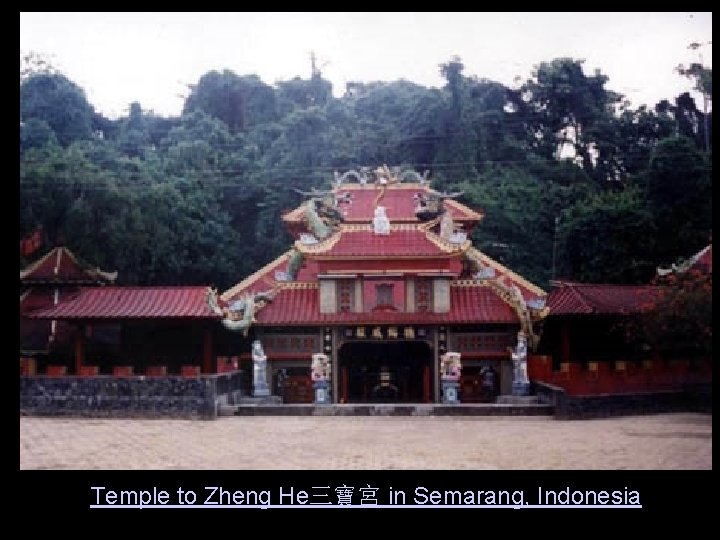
{"x":574,"y":183}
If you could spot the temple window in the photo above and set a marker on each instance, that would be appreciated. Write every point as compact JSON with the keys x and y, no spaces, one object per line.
{"x":384,"y":295}
{"x":423,"y":295}
{"x":345,"y":295}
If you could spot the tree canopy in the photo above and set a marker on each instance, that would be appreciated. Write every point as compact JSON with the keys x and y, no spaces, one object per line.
{"x":574,"y":183}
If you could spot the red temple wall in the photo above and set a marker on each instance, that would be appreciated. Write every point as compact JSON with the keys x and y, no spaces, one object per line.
{"x":619,"y":376}
{"x":370,"y":293}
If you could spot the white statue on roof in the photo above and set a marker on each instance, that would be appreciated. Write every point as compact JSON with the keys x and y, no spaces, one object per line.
{"x":381,"y":223}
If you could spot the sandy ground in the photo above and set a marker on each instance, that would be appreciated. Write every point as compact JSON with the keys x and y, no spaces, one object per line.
{"x":667,"y":441}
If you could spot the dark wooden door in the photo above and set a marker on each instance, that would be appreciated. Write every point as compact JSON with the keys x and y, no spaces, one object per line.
{"x":298,"y":389}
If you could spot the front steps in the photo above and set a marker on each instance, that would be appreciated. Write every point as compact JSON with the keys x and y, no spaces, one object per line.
{"x":388,"y":409}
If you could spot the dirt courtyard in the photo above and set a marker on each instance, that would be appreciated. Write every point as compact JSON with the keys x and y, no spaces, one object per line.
{"x":665,"y":441}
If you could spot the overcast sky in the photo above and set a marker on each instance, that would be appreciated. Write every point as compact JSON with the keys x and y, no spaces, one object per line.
{"x":118,"y":58}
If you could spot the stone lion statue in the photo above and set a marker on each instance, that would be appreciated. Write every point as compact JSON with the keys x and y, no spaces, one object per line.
{"x":450,"y":366}
{"x":320,"y":368}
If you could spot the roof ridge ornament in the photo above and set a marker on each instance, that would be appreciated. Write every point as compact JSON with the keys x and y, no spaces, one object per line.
{"x":322,"y":211}
{"x":239,"y":315}
{"x":431,"y":204}
{"x":381,"y":175}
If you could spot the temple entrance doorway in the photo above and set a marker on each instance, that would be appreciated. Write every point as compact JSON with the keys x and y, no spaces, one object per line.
{"x":385,"y":372}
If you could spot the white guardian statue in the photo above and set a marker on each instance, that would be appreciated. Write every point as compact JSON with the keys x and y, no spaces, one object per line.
{"x":521,"y":383}
{"x":260,"y":386}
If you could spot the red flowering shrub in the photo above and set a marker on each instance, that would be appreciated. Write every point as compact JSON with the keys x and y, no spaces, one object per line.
{"x":678,"y":322}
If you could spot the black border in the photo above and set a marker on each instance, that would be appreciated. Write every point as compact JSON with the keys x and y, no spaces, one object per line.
{"x":667,"y":497}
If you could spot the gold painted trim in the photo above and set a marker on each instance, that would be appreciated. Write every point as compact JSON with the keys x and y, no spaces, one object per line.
{"x":367,"y":227}
{"x":442,"y":256}
{"x":429,"y":224}
{"x":469,"y":212}
{"x":413,"y":271}
{"x":59,"y":252}
{"x":24,"y":295}
{"x":468,"y":283}
{"x":445,"y":245}
{"x":356,"y":227}
{"x":296,"y":215}
{"x":321,"y":247}
{"x":252,"y":278}
{"x":503,"y":269}
{"x":33,"y":266}
{"x":375,"y":187}
{"x":292,"y":285}
{"x":447,"y":248}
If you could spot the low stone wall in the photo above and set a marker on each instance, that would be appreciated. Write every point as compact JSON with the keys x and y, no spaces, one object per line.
{"x":567,"y":407}
{"x":123,"y":397}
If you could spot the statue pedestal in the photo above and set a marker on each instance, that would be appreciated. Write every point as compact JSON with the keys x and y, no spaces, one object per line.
{"x":518,"y":400}
{"x":322,"y":392}
{"x":260,"y":400}
{"x":450,"y":391}
{"x":520,"y":388}
{"x":261,"y":389}
{"x":260,"y":385}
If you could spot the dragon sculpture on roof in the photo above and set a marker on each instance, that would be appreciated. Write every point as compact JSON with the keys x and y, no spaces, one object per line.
{"x":380,"y":175}
{"x":239,"y":315}
{"x":431,"y":204}
{"x":323,"y":216}
{"x":529,"y":313}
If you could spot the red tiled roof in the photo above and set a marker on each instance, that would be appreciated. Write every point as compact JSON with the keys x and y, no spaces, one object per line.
{"x":263,"y":279}
{"x":585,"y":298}
{"x":61,"y":266}
{"x":399,"y":243}
{"x":703,"y":260}
{"x":398,"y":201}
{"x":131,"y":303}
{"x":469,"y":304}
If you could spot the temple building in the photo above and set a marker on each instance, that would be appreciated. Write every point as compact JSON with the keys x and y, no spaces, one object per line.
{"x":383,"y":281}
{"x":381,"y":298}
{"x":587,"y":351}
{"x":49,"y":281}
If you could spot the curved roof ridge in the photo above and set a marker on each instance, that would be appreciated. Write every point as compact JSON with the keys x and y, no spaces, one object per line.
{"x":92,"y":273}
{"x":509,"y":273}
{"x":252,"y":278}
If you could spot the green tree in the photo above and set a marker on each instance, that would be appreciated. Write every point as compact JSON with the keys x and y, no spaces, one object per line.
{"x":36,"y":133}
{"x":240,"y":102}
{"x":609,"y":237}
{"x":678,"y":184}
{"x":303,"y":93}
{"x":520,"y":208}
{"x":564,"y":106}
{"x":60,"y":103}
{"x":200,"y":197}
{"x":456,"y":152}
